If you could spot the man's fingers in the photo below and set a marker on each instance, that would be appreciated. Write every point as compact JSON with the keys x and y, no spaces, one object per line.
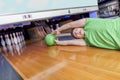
{"x":56,"y":40}
{"x":54,"y":32}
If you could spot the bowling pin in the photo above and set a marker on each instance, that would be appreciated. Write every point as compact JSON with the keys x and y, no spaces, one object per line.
{"x":16,"y":44}
{"x":12,"y":40}
{"x":15,"y":39}
{"x":9,"y":44}
{"x":57,"y":26}
{"x":13,"y":44}
{"x":51,"y":26}
{"x":7,"y":39}
{"x":4,"y":48}
{"x":23,"y":40}
{"x":2,"y":41}
{"x":18,"y":39}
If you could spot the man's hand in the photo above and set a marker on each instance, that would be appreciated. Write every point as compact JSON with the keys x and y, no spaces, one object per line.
{"x":57,"y":42}
{"x":56,"y":32}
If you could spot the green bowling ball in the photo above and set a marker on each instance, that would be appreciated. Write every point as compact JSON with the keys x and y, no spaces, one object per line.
{"x":50,"y":39}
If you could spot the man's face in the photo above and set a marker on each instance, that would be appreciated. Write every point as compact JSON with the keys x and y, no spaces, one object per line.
{"x":78,"y":33}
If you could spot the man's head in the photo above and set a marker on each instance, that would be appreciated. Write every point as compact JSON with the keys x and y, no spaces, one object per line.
{"x":78,"y":33}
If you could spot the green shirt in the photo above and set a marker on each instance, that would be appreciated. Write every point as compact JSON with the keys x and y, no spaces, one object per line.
{"x":103,"y":33}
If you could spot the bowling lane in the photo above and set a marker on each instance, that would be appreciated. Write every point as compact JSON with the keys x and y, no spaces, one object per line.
{"x":40,"y":62}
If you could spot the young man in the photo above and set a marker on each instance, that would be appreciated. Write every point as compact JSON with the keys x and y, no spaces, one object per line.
{"x":98,"y":32}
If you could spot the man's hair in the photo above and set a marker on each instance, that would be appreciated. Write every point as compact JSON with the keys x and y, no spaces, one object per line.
{"x":72,"y":33}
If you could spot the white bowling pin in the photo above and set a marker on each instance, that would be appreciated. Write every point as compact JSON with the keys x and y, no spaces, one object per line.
{"x":51,"y":26}
{"x":13,"y":43}
{"x":23,"y":39}
{"x":2,"y":41}
{"x":7,"y":39}
{"x":57,"y":26}
{"x":18,"y":39}
{"x":15,"y":39}
{"x":12,"y":40}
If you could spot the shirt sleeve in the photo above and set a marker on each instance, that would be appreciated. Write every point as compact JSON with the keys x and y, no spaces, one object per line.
{"x":87,"y":21}
{"x":90,"y":20}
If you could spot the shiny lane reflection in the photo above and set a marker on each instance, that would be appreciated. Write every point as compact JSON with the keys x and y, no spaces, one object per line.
{"x":49,"y":71}
{"x":67,"y":62}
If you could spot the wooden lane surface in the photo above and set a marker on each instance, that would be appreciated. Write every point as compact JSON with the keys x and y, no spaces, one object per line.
{"x":39,"y":62}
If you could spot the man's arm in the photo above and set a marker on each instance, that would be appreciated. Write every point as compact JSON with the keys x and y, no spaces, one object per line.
{"x":74,"y":24}
{"x":78,"y":42}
